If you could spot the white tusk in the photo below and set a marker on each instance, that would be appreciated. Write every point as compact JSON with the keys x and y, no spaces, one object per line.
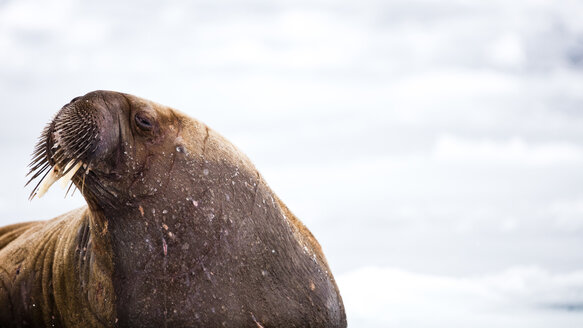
{"x":55,"y":175}
{"x":47,"y":182}
{"x":67,"y":178}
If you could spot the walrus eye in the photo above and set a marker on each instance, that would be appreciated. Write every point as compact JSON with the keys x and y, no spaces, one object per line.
{"x":143,"y":122}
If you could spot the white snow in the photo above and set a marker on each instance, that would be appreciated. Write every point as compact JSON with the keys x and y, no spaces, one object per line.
{"x":517,"y":297}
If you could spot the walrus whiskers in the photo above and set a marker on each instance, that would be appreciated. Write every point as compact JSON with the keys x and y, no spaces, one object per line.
{"x":86,"y":168}
{"x":71,"y":185}
{"x":60,"y":151}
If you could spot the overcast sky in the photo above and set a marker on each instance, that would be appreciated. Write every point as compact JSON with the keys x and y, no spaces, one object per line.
{"x":433,"y":147}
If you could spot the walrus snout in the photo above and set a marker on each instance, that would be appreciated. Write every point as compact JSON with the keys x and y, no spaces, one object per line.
{"x":79,"y":135}
{"x":90,"y":125}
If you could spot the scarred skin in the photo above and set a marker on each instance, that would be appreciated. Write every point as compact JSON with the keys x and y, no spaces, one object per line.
{"x":180,"y":230}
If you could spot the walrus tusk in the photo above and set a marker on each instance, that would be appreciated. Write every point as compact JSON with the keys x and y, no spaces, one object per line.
{"x":47,"y":182}
{"x":67,"y":177}
{"x":55,"y":175}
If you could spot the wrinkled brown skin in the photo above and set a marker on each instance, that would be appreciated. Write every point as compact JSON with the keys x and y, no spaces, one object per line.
{"x":183,"y":232}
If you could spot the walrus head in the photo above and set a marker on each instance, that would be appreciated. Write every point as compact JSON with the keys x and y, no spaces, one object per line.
{"x":103,"y":143}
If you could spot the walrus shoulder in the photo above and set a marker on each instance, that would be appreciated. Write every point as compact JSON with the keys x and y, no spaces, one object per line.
{"x":13,"y":231}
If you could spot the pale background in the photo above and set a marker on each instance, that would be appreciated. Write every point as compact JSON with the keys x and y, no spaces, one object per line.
{"x":435,"y":148}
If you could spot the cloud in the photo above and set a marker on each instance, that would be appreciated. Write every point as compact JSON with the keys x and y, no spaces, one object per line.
{"x":517,"y":297}
{"x":508,"y":51}
{"x":515,"y":151}
{"x":35,"y":15}
{"x":568,"y":213}
{"x":374,"y":121}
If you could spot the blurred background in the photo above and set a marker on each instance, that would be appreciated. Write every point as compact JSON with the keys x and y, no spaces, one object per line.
{"x":433,"y":147}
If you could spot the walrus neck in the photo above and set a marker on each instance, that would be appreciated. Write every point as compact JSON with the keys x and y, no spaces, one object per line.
{"x":152,"y":249}
{"x":166,"y":241}
{"x":98,"y":225}
{"x":224,"y":228}
{"x":156,"y":232}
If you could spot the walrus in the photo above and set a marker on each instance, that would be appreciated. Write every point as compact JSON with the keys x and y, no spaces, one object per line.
{"x":179,"y":230}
